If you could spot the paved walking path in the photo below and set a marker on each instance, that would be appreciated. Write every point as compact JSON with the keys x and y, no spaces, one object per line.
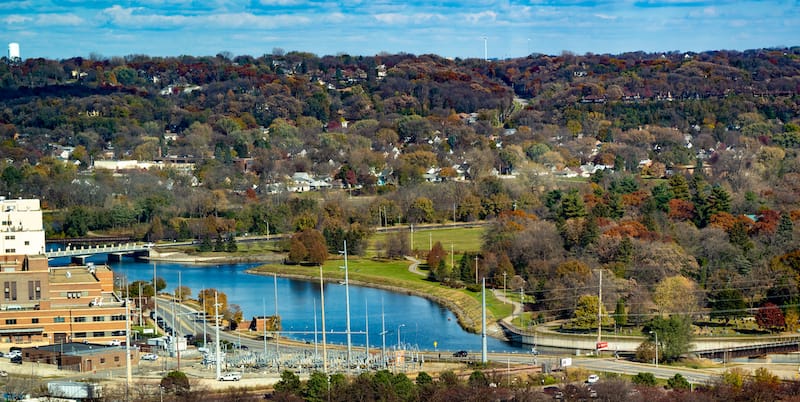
{"x":517,"y":310}
{"x":414,"y":267}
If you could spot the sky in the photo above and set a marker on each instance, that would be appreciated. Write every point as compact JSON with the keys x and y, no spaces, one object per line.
{"x":59,"y":29}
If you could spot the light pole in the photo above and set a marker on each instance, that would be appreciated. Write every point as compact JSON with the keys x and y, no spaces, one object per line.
{"x":504,"y":287}
{"x":656,"y":334}
{"x":398,"y":335}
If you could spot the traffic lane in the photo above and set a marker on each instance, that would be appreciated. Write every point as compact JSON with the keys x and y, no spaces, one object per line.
{"x":630,"y":368}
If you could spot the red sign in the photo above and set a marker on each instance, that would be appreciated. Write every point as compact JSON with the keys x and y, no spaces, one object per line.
{"x":602,"y":345}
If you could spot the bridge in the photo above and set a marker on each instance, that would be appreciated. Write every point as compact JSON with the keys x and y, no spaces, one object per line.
{"x":713,"y":347}
{"x":115,"y":252}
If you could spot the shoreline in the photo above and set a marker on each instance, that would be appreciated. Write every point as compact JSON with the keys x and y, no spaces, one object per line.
{"x":467,"y":323}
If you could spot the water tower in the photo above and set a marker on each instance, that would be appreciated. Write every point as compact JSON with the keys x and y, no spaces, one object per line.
{"x":13,"y":51}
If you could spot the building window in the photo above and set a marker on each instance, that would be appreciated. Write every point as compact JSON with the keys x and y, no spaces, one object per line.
{"x":10,"y":290}
{"x":58,"y":319}
{"x":98,"y":318}
{"x":80,"y":335}
{"x":27,"y":243}
{"x":34,"y":290}
{"x":102,"y":360}
{"x":74,"y":295}
{"x":116,"y":359}
{"x":34,"y":320}
{"x":11,"y":321}
{"x":11,"y":251}
{"x":10,"y":237}
{"x":78,"y":319}
{"x":98,"y":334}
{"x":118,"y":317}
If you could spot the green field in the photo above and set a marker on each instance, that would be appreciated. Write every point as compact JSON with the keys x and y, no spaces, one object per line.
{"x":461,"y":239}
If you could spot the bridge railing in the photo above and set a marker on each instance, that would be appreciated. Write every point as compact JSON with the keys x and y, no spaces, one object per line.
{"x":99,"y":249}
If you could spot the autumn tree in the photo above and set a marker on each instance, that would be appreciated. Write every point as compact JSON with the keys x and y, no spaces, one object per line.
{"x":436,"y":260}
{"x":586,"y":313}
{"x":676,"y":295}
{"x":770,"y":317}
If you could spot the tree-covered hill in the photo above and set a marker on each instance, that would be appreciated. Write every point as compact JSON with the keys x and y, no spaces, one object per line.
{"x":651,"y":167}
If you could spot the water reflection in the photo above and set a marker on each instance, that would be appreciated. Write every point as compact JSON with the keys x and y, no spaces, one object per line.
{"x":425,"y":322}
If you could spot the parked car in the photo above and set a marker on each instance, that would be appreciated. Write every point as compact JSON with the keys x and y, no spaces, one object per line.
{"x":14,"y":353}
{"x":593,"y":379}
{"x":16,"y":360}
{"x":460,"y":353}
{"x":231,"y":377}
{"x":149,"y":356}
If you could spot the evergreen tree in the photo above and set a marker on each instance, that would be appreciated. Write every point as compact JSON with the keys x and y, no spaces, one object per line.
{"x":230,"y":244}
{"x":719,"y":200}
{"x":784,"y":236}
{"x":218,"y":244}
{"x":738,"y":236}
{"x":572,"y":206}
{"x":680,"y":187}
{"x":727,"y":304}
{"x":662,"y":193}
{"x":620,"y":315}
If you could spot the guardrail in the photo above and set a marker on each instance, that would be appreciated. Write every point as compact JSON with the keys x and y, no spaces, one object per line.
{"x":71,"y":251}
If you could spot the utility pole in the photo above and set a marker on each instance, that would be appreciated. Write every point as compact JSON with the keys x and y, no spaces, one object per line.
{"x":412,"y":237}
{"x":485,"y":48}
{"x":155,"y":298}
{"x":366,"y":319}
{"x":476,"y":269}
{"x":205,"y":321}
{"x":347,"y":307}
{"x":505,"y":300}
{"x":277,"y":343}
{"x":129,"y":375}
{"x":216,"y":336}
{"x":452,"y":260}
{"x":599,"y":312}
{"x":316,"y":333}
{"x":484,"y":357}
{"x":264,"y":312}
{"x":322,"y":303}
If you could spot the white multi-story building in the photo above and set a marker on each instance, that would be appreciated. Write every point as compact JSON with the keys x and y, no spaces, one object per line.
{"x":21,"y":229}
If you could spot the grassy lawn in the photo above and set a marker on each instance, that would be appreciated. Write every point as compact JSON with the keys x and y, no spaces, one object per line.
{"x":462,"y":239}
{"x":395,"y":274}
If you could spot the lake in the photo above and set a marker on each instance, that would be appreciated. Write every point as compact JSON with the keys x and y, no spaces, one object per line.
{"x":411,"y":320}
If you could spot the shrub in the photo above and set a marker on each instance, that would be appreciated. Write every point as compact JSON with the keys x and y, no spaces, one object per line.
{"x":647,"y":379}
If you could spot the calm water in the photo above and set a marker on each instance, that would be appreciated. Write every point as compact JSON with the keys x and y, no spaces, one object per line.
{"x":420,"y":322}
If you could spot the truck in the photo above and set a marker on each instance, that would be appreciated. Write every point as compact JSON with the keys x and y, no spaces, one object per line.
{"x":74,"y":390}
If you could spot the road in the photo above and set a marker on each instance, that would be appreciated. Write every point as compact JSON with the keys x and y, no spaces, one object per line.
{"x":186,"y":324}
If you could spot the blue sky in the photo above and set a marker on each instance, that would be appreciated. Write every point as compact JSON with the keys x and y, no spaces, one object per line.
{"x":66,"y":28}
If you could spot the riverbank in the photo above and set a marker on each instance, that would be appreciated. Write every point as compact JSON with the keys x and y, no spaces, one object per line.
{"x":466,"y":309}
{"x":182,"y":257}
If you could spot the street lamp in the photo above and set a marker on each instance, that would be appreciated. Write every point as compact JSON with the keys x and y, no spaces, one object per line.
{"x":656,"y":334}
{"x":398,"y":335}
{"x":504,"y":287}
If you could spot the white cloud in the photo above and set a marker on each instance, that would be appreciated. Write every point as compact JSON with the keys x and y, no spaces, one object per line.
{"x":484,"y":16}
{"x":59,"y":19}
{"x":606,"y":17}
{"x":135,"y":18}
{"x":16,"y":19}
{"x":406,"y":19}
